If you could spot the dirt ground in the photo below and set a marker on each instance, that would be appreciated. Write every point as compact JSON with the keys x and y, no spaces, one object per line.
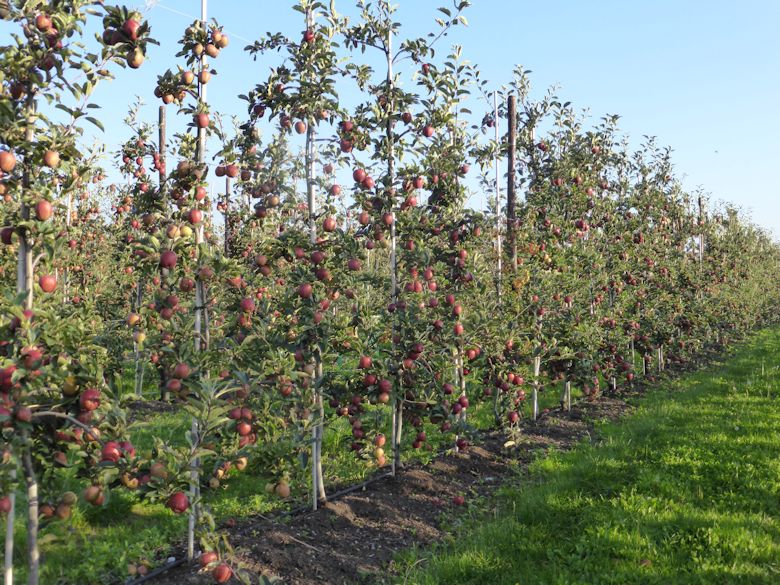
{"x":352,"y":539}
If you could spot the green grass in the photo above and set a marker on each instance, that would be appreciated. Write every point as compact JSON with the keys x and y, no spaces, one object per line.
{"x":687,"y":490}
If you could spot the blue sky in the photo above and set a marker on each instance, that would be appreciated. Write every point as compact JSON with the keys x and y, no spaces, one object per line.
{"x":701,"y":75}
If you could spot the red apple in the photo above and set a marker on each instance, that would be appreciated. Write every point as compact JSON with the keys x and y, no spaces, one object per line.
{"x":358,"y":175}
{"x":43,"y":210}
{"x":89,"y":400}
{"x":168,"y":259}
{"x":202,"y":120}
{"x":110,"y":452}
{"x":7,"y":161}
{"x":195,"y":216}
{"x":130,"y":28}
{"x":178,"y":503}
{"x":48,"y":283}
{"x":182,"y":371}
{"x":24,"y":414}
{"x":222,"y":573}
{"x":43,"y":22}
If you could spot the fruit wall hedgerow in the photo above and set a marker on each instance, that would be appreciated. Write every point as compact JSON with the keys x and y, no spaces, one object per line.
{"x":352,"y":306}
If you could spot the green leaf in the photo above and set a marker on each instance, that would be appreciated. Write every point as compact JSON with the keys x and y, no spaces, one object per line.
{"x":96,"y":122}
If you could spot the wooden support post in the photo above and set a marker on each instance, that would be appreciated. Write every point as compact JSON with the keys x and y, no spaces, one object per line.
{"x":511,"y":193}
{"x":497,"y":189}
{"x":8,"y":568}
{"x":702,"y":215}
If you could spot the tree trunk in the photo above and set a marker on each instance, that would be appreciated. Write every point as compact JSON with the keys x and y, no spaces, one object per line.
{"x":194,"y":492}
{"x":537,"y":370}
{"x":566,"y":400}
{"x":33,"y":554}
{"x":9,"y":534}
{"x":200,"y":308}
{"x":460,"y":380}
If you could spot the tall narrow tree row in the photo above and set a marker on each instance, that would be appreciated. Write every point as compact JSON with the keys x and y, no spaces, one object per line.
{"x":136,"y":205}
{"x":318,"y":482}
{"x":200,"y":160}
{"x":448,"y":156}
{"x":306,"y":91}
{"x":397,"y":402}
{"x":201,"y":298}
{"x":378,"y":120}
{"x":33,"y":68}
{"x":195,"y":264}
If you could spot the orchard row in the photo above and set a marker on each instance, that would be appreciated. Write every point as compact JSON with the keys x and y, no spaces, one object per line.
{"x":350,"y":282}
